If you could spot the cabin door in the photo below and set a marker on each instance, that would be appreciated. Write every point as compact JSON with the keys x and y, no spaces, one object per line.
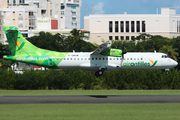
{"x":50,"y":62}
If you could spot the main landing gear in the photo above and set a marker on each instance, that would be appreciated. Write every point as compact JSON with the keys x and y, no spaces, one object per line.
{"x":100,"y":72}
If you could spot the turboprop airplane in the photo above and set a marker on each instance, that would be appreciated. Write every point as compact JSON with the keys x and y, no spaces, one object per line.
{"x":102,"y":59}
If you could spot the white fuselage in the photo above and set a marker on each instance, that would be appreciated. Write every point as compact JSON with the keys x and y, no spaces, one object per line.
{"x":134,"y":60}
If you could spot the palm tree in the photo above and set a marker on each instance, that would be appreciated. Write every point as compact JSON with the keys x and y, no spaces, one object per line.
{"x":170,"y":51}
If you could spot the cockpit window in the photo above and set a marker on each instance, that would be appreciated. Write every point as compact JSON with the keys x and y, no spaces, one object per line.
{"x":165,"y":56}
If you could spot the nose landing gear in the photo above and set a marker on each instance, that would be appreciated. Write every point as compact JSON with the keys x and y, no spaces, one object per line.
{"x":167,"y":71}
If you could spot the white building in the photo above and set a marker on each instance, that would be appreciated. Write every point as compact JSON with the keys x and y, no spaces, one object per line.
{"x":28,"y":15}
{"x":128,"y":26}
{"x":70,"y":13}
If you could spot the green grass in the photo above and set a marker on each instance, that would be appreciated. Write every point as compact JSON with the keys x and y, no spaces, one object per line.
{"x":86,"y":92}
{"x":90,"y":112}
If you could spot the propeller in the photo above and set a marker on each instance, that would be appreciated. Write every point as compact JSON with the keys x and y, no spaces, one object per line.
{"x":123,"y":52}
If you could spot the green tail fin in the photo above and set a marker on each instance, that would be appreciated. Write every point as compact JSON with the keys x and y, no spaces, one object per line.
{"x":17,"y":43}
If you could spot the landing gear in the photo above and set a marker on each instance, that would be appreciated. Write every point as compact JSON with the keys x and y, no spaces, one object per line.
{"x":167,"y":71}
{"x":98,"y":73}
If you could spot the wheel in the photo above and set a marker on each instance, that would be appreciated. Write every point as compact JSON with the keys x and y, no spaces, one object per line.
{"x":100,"y":72}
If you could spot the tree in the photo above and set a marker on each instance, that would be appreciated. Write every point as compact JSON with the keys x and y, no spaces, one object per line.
{"x":4,"y":50}
{"x":170,"y":51}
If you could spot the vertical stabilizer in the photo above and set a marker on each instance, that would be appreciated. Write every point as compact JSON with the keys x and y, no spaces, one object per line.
{"x":17,"y":43}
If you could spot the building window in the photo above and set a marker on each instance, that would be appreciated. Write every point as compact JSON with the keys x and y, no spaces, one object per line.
{"x":143,"y":26}
{"x":116,"y":37}
{"x":43,"y":12}
{"x":74,"y":24}
{"x":127,"y":26}
{"x":110,"y":26}
{"x":14,"y":1}
{"x":25,"y":35}
{"x":122,"y":26}
{"x":62,"y":12}
{"x":74,"y":19}
{"x":73,"y":7}
{"x":132,"y":26}
{"x":37,"y":4}
{"x":8,"y":1}
{"x":132,"y":37}
{"x":62,"y":7}
{"x":138,"y":26}
{"x":127,"y":37}
{"x":13,"y":11}
{"x":73,"y":13}
{"x":50,"y":12}
{"x":122,"y":37}
{"x":116,"y":26}
{"x":110,"y":37}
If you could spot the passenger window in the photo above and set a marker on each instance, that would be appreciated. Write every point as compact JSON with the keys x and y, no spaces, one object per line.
{"x":60,"y":58}
{"x":81,"y":58}
{"x":78,"y":59}
{"x":127,"y":58}
{"x":141,"y":58}
{"x":64,"y":58}
{"x":89,"y":58}
{"x":71,"y":58}
{"x":85,"y":58}
{"x":67,"y":58}
{"x":131,"y":58}
{"x":92,"y":58}
{"x":134,"y":58}
{"x":110,"y":58}
{"x":137,"y":58}
{"x":106,"y":58}
{"x":96,"y":58}
{"x":120,"y":58}
{"x":99,"y":58}
{"x":57,"y":58}
{"x":74,"y":58}
{"x":117,"y":58}
{"x":103,"y":58}
{"x":113,"y":58}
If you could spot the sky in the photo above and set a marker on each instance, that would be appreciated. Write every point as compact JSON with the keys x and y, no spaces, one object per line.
{"x":129,"y":6}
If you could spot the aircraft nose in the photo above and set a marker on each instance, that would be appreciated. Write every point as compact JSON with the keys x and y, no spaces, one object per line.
{"x":175,"y":63}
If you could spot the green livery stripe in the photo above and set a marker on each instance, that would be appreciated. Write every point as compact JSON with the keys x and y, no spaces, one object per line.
{"x":154,"y":63}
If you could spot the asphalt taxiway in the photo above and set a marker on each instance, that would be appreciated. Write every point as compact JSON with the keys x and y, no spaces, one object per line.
{"x":94,"y":99}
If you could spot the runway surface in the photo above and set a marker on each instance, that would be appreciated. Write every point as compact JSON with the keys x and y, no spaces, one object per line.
{"x":89,"y":99}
